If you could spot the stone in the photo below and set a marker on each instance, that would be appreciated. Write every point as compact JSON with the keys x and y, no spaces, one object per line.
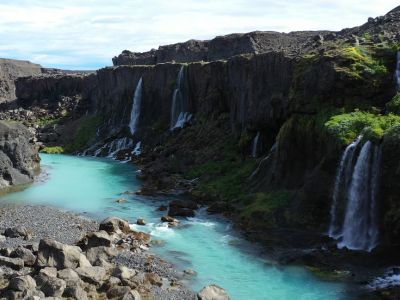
{"x":95,"y":239}
{"x":168,"y":219}
{"x":44,"y":275}
{"x":14,"y":263}
{"x":96,"y":254}
{"x":22,"y":283}
{"x":69,"y":276}
{"x":162,"y":208}
{"x":132,"y":295}
{"x":61,"y":256}
{"x":181,"y":212}
{"x":53,"y":287}
{"x":75,"y":292}
{"x":2,"y":238}
{"x":140,"y":222}
{"x":26,"y":255}
{"x":18,"y":231}
{"x":212,"y":292}
{"x":123,"y":272}
{"x":94,"y":275}
{"x":115,"y":225}
{"x":118,"y":292}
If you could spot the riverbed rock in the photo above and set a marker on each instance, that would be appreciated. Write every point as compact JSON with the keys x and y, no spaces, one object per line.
{"x":18,"y":231}
{"x":140,"y":222}
{"x":54,"y":254}
{"x":213,"y":292}
{"x":26,"y":255}
{"x":22,"y":283}
{"x":95,"y":239}
{"x":96,"y":254}
{"x":132,"y":295}
{"x":14,"y":263}
{"x":115,"y":225}
{"x":94,"y":275}
{"x":54,"y":287}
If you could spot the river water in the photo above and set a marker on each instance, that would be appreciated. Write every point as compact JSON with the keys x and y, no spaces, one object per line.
{"x":90,"y":186}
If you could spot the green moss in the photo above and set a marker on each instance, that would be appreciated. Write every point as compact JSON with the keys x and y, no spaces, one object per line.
{"x":53,"y":150}
{"x":265,"y":210}
{"x":223,"y":180}
{"x":47,"y":121}
{"x":86,"y":131}
{"x":334,"y":275}
{"x":393,"y":106}
{"x":346,"y":127}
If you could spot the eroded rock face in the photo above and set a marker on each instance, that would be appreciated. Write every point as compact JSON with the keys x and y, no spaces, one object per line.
{"x":10,"y":70}
{"x":18,"y":154}
{"x":223,"y":47}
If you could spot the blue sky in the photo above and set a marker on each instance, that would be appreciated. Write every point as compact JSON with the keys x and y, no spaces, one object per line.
{"x":86,"y":34}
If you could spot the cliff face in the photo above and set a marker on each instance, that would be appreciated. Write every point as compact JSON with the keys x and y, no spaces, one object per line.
{"x":225,"y":47}
{"x":10,"y":70}
{"x":19,"y":159}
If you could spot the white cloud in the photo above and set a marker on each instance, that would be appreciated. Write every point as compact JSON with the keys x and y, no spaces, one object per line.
{"x":87,"y":34}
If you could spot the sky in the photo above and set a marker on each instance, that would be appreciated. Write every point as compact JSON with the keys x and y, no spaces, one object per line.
{"x":86,"y":34}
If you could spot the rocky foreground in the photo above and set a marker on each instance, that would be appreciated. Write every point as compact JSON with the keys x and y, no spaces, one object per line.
{"x":49,"y":254}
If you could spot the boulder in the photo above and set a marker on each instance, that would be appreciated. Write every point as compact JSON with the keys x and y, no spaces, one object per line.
{"x":182,"y":208}
{"x":70,"y":277}
{"x":162,"y":208}
{"x":61,"y":256}
{"x":14,"y":263}
{"x":96,"y":254}
{"x":115,"y":225}
{"x":95,"y":239}
{"x":26,"y":255}
{"x":140,"y":222}
{"x":18,"y":231}
{"x":168,"y":219}
{"x":132,"y":295}
{"x":44,"y":275}
{"x":118,"y":292}
{"x":213,"y":292}
{"x":54,"y":287}
{"x":22,"y":283}
{"x":94,"y":275}
{"x":124,"y":273}
{"x":75,"y":292}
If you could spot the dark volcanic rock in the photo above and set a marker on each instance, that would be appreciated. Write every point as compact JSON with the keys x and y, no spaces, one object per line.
{"x":224,"y":47}
{"x":18,"y":155}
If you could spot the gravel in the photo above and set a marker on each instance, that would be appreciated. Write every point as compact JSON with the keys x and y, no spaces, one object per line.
{"x":44,"y":221}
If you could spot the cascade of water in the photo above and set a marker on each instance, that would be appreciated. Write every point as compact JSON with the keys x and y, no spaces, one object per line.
{"x":137,"y":101}
{"x":398,"y":71}
{"x":118,"y":145}
{"x":343,"y":177}
{"x":179,"y":109}
{"x":255,"y":145}
{"x":360,"y":228}
{"x":137,"y":150}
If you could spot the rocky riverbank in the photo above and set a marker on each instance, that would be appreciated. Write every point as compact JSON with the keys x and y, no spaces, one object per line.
{"x":45,"y":252}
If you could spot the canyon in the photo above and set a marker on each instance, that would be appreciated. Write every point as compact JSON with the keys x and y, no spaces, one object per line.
{"x":292,"y":136}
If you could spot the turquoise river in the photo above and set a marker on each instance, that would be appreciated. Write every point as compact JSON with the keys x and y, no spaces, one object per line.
{"x":208,"y":245}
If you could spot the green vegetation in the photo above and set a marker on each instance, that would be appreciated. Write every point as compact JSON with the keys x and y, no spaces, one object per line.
{"x":393,"y":106}
{"x":53,"y":150}
{"x":266,"y":209}
{"x":86,"y":131}
{"x":348,"y":126}
{"x":47,"y":121}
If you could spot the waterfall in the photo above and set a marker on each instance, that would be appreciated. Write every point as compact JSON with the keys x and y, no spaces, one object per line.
{"x":135,"y":113}
{"x":398,"y":71}
{"x":254,"y":145}
{"x":343,"y":177}
{"x":137,"y":151}
{"x":360,"y":226}
{"x":179,"y":109}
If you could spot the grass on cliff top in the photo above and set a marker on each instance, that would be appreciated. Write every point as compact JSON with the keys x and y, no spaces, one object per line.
{"x":348,"y":126}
